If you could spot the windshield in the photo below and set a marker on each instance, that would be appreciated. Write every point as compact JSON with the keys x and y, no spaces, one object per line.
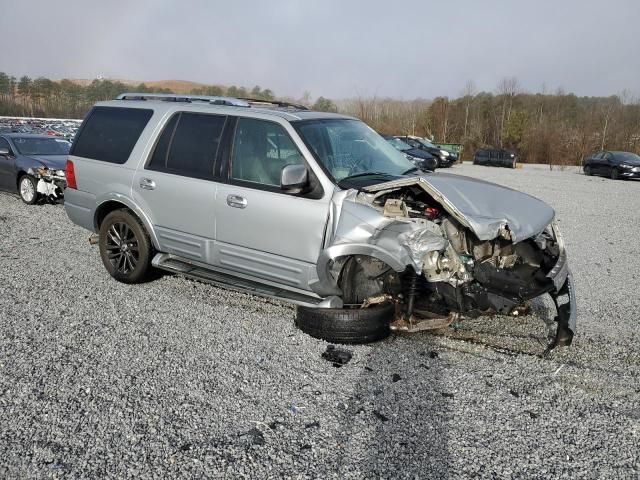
{"x":427,"y":143}
{"x":399,"y":144}
{"x":349,"y":147}
{"x":41,"y":146}
{"x":628,"y":157}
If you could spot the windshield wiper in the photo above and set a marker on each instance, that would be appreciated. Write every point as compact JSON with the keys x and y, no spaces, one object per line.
{"x":411,"y":170}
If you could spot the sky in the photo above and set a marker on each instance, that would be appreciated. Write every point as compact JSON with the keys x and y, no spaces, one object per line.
{"x":332,"y":48}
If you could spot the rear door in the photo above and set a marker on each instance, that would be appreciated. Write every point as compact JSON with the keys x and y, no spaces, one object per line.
{"x":176,"y":186}
{"x":262,"y":231}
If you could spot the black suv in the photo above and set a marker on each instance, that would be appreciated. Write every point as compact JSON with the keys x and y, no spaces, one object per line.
{"x":495,"y":157}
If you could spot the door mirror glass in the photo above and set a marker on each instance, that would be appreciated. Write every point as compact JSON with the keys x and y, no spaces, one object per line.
{"x":4,"y":152}
{"x":293,"y":178}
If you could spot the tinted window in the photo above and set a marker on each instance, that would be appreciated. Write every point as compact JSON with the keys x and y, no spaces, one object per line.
{"x":189,"y":145}
{"x":5,"y":144}
{"x":260,"y":150}
{"x":110,"y":133}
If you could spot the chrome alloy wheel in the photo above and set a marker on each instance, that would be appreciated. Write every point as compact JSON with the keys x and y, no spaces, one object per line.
{"x":122,"y":248}
{"x":27,"y":190}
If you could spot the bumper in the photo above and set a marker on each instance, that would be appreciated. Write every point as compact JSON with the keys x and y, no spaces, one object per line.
{"x":627,"y":174}
{"x":563,"y":282}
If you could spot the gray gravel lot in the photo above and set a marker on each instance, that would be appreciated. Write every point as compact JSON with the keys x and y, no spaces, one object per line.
{"x":176,"y":378}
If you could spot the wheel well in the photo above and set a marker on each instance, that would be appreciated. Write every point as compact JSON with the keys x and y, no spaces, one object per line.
{"x":106,"y":208}
{"x":19,"y":176}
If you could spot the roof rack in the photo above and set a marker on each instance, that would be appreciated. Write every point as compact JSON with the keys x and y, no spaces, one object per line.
{"x":277,"y":103}
{"x":173,"y":97}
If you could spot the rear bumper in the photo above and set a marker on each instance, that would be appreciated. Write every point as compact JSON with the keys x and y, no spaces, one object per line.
{"x":80,"y":208}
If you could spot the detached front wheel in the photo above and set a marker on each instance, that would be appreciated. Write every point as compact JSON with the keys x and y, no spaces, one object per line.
{"x":28,"y":189}
{"x":125,"y":247}
{"x":346,"y":325}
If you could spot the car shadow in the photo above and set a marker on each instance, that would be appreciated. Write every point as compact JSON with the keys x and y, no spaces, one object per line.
{"x":398,"y":426}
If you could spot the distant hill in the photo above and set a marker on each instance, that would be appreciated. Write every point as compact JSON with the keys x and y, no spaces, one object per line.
{"x":176,"y":86}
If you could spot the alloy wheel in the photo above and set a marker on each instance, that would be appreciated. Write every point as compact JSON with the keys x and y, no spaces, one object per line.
{"x":27,"y":190}
{"x":122,"y":247}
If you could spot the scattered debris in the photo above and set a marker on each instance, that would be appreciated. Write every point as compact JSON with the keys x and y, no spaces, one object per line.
{"x":380,"y":416}
{"x":447,"y":395}
{"x":514,"y":393}
{"x":275,"y":424}
{"x":186,"y":447}
{"x":256,"y":437}
{"x":422,"y":365}
{"x":314,"y":424}
{"x":305,"y":447}
{"x":558,"y":370}
{"x":433,"y":354}
{"x":368,"y":369}
{"x":395,"y":378}
{"x":337,"y":356}
{"x":533,"y":415}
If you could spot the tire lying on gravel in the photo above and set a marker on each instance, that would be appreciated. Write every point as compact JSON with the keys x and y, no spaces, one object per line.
{"x":125,"y":247}
{"x":346,"y":325}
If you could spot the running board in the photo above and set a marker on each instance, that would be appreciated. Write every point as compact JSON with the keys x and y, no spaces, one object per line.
{"x":196,"y":271}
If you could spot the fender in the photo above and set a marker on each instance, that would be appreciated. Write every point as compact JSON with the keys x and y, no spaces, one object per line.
{"x":118,"y":197}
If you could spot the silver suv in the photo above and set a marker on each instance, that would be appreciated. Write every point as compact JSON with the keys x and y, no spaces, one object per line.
{"x":309,"y":207}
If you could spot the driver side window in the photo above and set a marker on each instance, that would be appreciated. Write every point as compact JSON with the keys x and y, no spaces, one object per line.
{"x":5,"y":144}
{"x":260,"y":150}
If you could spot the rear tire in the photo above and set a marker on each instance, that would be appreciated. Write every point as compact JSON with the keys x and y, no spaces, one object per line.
{"x":125,"y":247}
{"x":28,"y":189}
{"x":346,"y":325}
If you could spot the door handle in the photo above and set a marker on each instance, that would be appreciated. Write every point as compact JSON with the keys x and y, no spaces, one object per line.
{"x":236,"y":201}
{"x":147,"y":184}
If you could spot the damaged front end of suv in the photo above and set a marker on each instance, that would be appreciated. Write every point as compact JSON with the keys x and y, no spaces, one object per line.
{"x":442,"y":246}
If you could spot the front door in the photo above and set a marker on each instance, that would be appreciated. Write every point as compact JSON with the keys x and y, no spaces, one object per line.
{"x":260,"y":230}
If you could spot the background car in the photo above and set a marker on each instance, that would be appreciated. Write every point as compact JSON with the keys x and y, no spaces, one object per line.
{"x":614,"y":165}
{"x":495,"y":157}
{"x":445,"y":157}
{"x":421,"y":158}
{"x":33,"y":165}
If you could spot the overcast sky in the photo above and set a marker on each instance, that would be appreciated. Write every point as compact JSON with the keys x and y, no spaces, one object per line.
{"x":334,"y":48}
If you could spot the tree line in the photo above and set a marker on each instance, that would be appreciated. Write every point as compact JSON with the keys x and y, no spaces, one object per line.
{"x":556,"y":128}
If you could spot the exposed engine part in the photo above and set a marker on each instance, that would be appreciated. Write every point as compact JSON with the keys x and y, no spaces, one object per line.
{"x":51,"y":183}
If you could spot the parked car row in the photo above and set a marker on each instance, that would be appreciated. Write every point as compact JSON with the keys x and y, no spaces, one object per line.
{"x":40,"y":126}
{"x":424,"y":154}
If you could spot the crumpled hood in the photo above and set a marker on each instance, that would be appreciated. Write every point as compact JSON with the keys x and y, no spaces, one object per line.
{"x":57,"y":162}
{"x":485,"y":208}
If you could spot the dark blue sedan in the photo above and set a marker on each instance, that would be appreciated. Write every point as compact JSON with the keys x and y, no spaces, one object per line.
{"x":33,"y":166}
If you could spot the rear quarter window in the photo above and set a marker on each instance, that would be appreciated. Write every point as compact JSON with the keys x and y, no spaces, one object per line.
{"x":110,"y":133}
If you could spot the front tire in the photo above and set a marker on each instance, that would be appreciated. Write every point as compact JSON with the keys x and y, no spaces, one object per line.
{"x":615,"y":174}
{"x":587,"y":171}
{"x":125,"y":247}
{"x":346,"y":325}
{"x":28,"y":189}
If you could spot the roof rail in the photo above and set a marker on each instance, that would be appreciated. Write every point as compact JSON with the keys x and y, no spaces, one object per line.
{"x":173,"y":97}
{"x":277,"y":103}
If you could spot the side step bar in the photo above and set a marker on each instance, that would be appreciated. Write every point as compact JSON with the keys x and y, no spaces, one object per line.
{"x":188,"y":268}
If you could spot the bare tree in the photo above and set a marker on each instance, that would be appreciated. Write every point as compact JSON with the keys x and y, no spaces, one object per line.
{"x":468,"y":93}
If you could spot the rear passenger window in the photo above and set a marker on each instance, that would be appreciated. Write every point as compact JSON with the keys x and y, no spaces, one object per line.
{"x":110,"y":133}
{"x":189,"y":145}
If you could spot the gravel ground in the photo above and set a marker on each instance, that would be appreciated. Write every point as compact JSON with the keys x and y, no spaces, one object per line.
{"x":176,"y":378}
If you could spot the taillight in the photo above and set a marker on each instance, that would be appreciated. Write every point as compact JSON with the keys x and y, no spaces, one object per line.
{"x":71,"y":175}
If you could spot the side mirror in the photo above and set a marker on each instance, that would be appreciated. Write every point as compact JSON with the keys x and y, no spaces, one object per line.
{"x":293,"y":178}
{"x":4,"y":152}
